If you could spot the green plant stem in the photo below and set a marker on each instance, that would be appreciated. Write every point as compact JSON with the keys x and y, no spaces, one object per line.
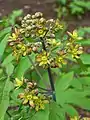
{"x":8,"y":114}
{"x":49,"y":74}
{"x":39,"y":74}
{"x":44,"y":89}
{"x":52,"y":83}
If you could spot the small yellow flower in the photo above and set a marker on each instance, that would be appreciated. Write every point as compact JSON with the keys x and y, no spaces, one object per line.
{"x":19,"y":82}
{"x":40,"y":103}
{"x":53,"y":42}
{"x":26,"y":96}
{"x":41,"y":32}
{"x":14,"y":35}
{"x":43,"y":58}
{"x":74,"y":35}
{"x":31,"y":102}
{"x":58,"y":26}
{"x":60,"y":60}
{"x":75,"y":50}
{"x":75,"y":118}
{"x":35,"y":101}
{"x":20,"y":50}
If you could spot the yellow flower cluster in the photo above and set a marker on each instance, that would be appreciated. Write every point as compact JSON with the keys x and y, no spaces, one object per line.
{"x":45,"y":59}
{"x":19,"y":82}
{"x":37,"y":34}
{"x":51,"y":42}
{"x":61,"y":58}
{"x":74,"y":35}
{"x":31,"y":95}
{"x":72,"y":48}
{"x":36,"y":101}
{"x":20,"y":50}
{"x":37,"y":26}
{"x":15,"y":35}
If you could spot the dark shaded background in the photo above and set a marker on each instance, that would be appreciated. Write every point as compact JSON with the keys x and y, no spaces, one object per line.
{"x":29,"y":6}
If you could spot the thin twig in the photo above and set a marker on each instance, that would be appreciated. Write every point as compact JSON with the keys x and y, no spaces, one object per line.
{"x":39,"y":74}
{"x":44,"y":89}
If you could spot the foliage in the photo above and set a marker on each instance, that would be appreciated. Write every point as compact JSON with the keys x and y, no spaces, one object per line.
{"x":73,"y":7}
{"x":32,"y":54}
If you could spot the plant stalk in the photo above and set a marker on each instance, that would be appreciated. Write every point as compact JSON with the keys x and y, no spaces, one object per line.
{"x":37,"y":71}
{"x":50,"y":75}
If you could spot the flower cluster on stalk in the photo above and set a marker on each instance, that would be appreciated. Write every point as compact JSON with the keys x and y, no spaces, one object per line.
{"x":31,"y":96}
{"x":38,"y":34}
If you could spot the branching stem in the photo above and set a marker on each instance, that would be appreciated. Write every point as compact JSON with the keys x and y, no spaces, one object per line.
{"x":39,"y":74}
{"x":43,"y":89}
{"x":49,"y":74}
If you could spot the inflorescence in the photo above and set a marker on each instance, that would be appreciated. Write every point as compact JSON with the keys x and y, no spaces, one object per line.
{"x":32,"y":95}
{"x":38,"y":35}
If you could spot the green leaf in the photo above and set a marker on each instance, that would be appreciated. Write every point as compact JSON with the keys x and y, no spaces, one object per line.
{"x":71,"y":111}
{"x":3,"y":44}
{"x":23,"y":65}
{"x":8,"y":59}
{"x":84,"y":80}
{"x":76,"y":84}
{"x":85,"y":58}
{"x":64,"y":82}
{"x":63,"y":2}
{"x":9,"y":69}
{"x":86,"y":72}
{"x":14,"y":15}
{"x":4,"y":98}
{"x":41,"y":115}
{"x":55,"y":112}
{"x":4,"y":32}
{"x":84,"y":42}
{"x":74,"y":97}
{"x":45,"y":80}
{"x":82,"y":65}
{"x":82,"y":102}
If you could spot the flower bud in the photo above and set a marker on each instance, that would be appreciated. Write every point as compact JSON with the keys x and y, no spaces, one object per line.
{"x":22,"y":30}
{"x":34,"y":49}
{"x":33,"y":16}
{"x":28,"y":28}
{"x":26,"y":35}
{"x":36,"y":91}
{"x":30,"y":84}
{"x":27,"y":21}
{"x":23,"y":21}
{"x":31,"y":103}
{"x":35,"y":83}
{"x":21,"y":95}
{"x":25,"y":18}
{"x":80,"y":48}
{"x":28,"y":16}
{"x":42,"y":20}
{"x":38,"y":14}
